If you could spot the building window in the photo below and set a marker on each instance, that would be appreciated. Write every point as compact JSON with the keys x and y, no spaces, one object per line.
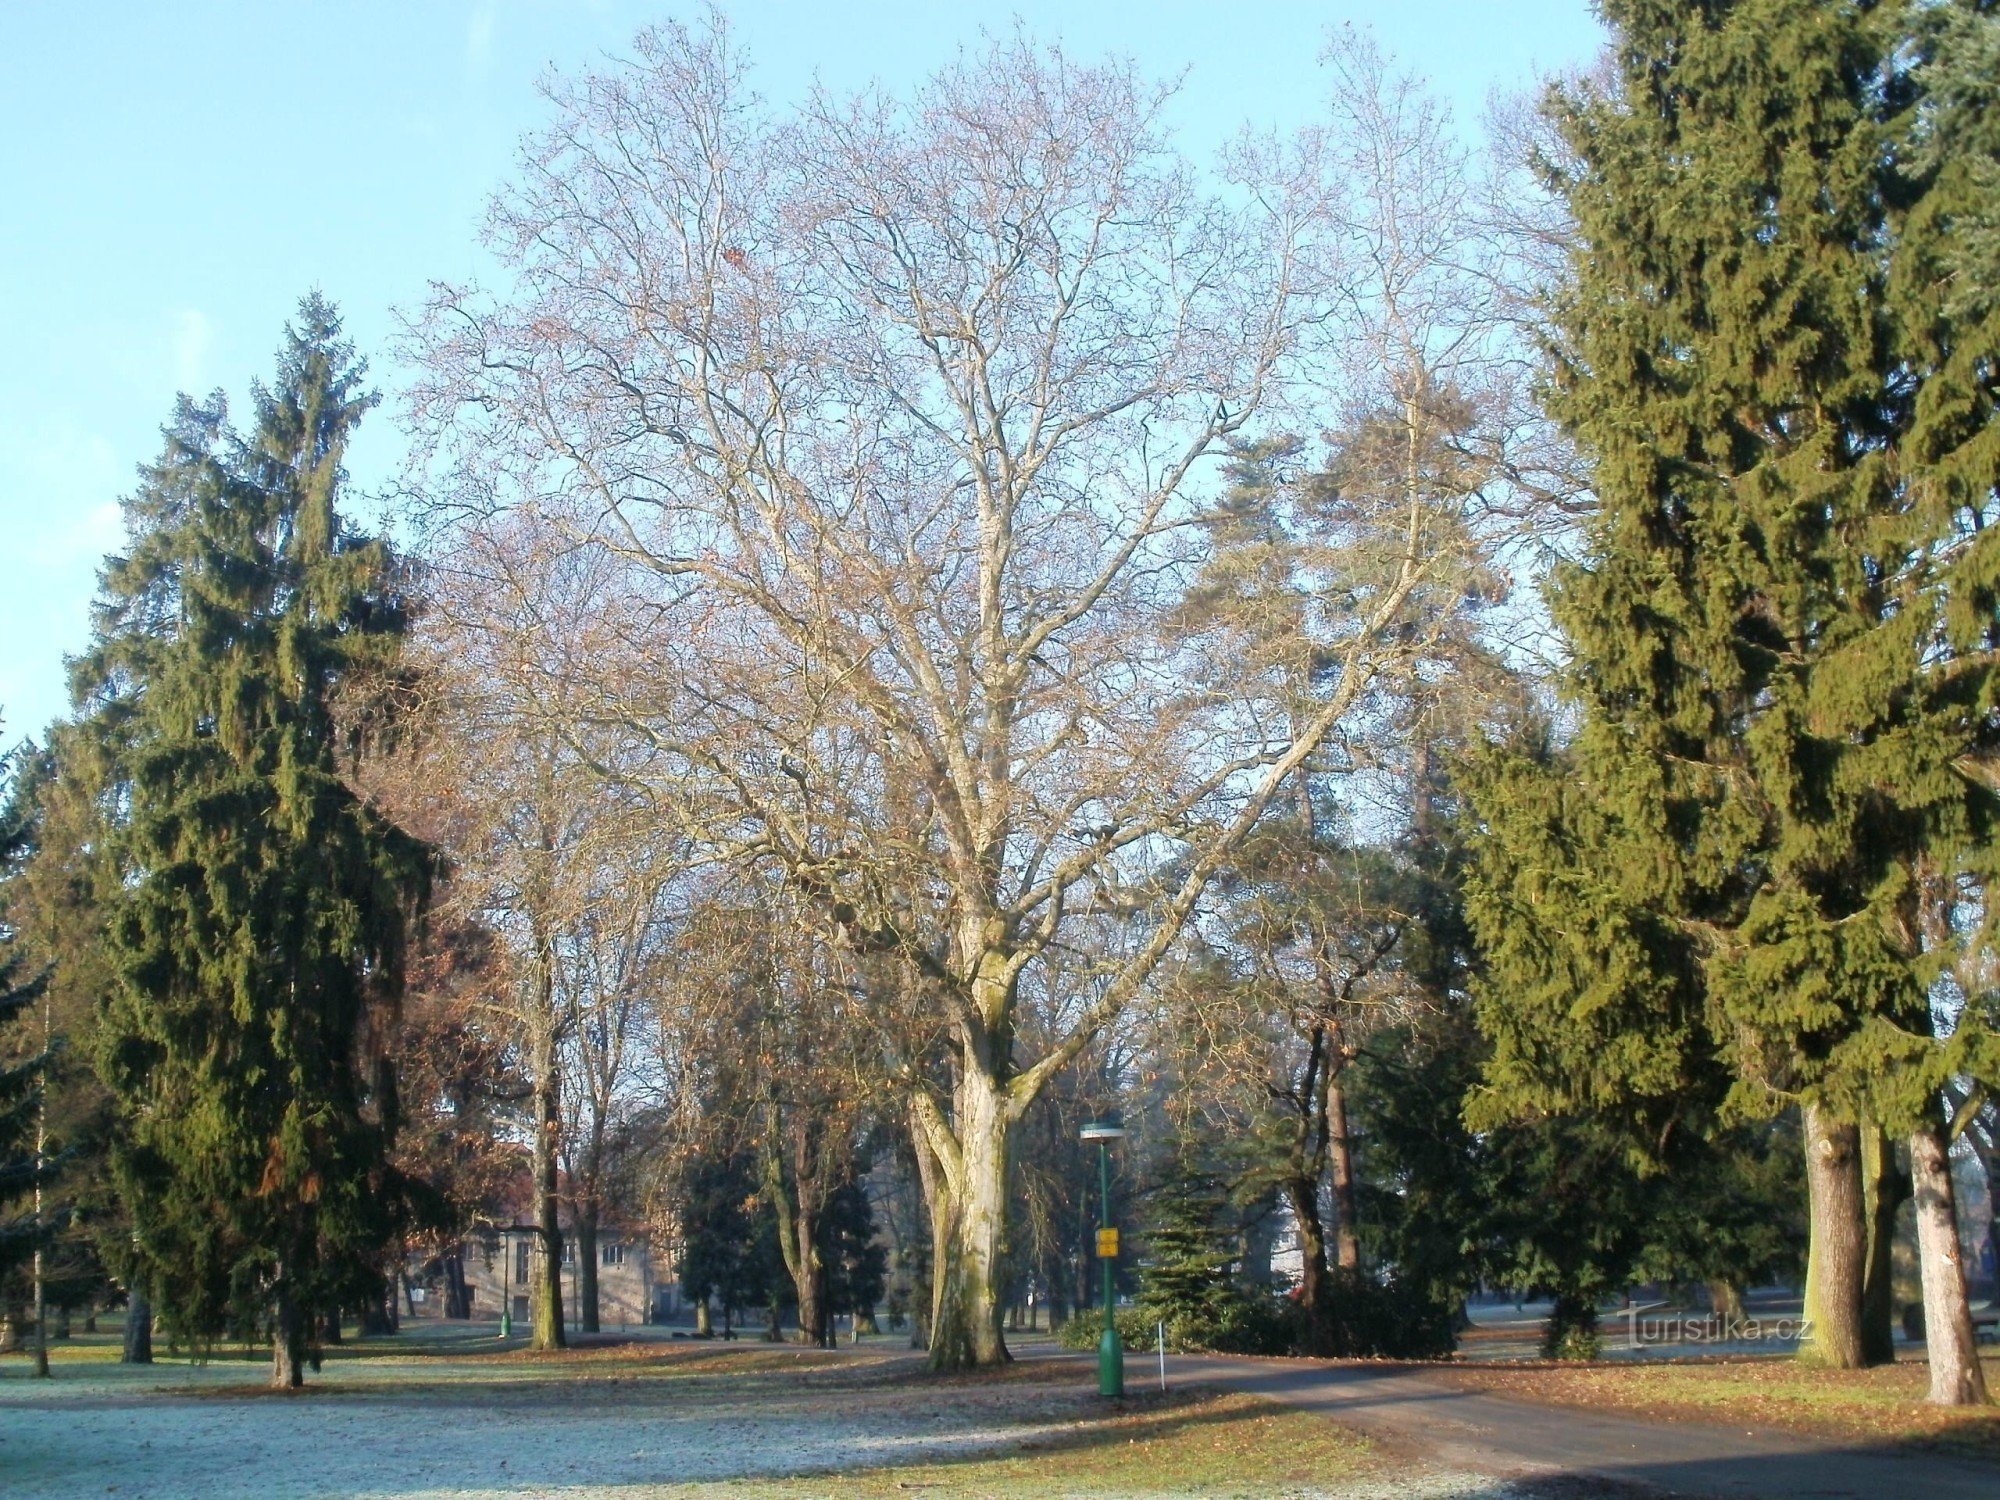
{"x":569,"y":1252}
{"x":614,"y":1253}
{"x":521,"y":1262}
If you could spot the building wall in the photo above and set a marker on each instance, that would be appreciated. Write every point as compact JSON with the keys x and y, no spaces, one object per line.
{"x":497,"y":1267}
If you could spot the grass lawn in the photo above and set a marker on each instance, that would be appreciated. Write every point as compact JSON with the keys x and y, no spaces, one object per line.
{"x":1210,"y":1445}
{"x":429,"y":1415}
{"x":1884,"y":1405}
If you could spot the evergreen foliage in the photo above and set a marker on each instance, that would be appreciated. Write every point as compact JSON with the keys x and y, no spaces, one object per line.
{"x":20,"y":1167}
{"x":1188,"y":1274}
{"x":21,"y":1065}
{"x":857,"y":1264}
{"x":1745,"y":880}
{"x":258,"y":946}
{"x":51,"y":905}
{"x":729,"y":1242}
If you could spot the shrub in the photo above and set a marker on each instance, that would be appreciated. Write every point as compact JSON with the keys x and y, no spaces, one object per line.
{"x":1362,"y":1318}
{"x":1084,"y":1329}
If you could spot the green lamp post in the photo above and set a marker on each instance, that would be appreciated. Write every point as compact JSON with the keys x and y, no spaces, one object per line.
{"x":1110,"y":1353}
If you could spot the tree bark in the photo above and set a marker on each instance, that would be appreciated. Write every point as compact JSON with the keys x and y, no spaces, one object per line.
{"x":1302,"y":1198}
{"x":1571,"y":1332}
{"x":1837,"y":1248}
{"x":1725,"y":1300}
{"x":938,"y":1210}
{"x":587,"y":1313}
{"x":965,"y":1306}
{"x":809,"y":1284}
{"x":545,"y":1275}
{"x":1949,"y":1338}
{"x":288,"y":1341}
{"x":457,"y":1295}
{"x":1340,"y":1157}
{"x":41,"y":1305}
{"x":137,"y":1348}
{"x":796,"y":1205}
{"x":1885,"y":1187}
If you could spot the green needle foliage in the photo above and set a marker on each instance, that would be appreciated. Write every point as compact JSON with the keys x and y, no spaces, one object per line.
{"x":1782,"y":629}
{"x":1188,"y":1278}
{"x":259,"y":944}
{"x":1763,"y":855}
{"x":20,"y":1166}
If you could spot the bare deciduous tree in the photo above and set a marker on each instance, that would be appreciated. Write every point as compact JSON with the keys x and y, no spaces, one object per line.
{"x":904,"y":415}
{"x":498,"y":769}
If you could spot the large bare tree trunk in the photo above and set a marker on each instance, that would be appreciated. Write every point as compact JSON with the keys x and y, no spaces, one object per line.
{"x":1837,"y":1248}
{"x":965,"y":1303}
{"x":938,"y":1211}
{"x":1885,"y":1188}
{"x":799,"y":1231}
{"x":1956,"y":1376}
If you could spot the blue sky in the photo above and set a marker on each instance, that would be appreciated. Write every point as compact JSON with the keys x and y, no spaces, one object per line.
{"x":177,"y":172}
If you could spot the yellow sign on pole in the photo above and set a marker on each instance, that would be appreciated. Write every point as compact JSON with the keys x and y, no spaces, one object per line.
{"x":1107,"y":1244}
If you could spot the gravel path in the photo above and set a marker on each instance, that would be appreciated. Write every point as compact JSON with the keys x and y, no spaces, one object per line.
{"x":1470,"y":1431}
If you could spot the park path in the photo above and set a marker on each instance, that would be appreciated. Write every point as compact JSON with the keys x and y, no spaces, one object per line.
{"x":1473,"y":1432}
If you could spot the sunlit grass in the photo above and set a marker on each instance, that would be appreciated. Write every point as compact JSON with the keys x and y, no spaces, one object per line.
{"x":1215,"y":1446}
{"x":1034,"y":1429}
{"x":1886,"y":1404}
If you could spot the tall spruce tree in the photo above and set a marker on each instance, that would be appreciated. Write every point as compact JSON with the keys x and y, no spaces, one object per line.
{"x":1944,"y":292}
{"x":1780,"y":670}
{"x":23,"y":1056}
{"x":260,"y":938}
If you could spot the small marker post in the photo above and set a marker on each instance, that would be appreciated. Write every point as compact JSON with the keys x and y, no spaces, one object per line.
{"x":1163,"y":1354}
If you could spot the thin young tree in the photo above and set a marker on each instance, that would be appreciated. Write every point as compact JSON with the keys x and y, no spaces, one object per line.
{"x":498,"y":765}
{"x":610,"y":965}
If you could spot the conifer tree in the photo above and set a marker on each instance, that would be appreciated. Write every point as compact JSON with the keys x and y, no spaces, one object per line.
{"x":1187,"y":1279}
{"x":259,"y":942}
{"x":50,"y":911}
{"x":20,"y":1163}
{"x":1715,"y":895}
